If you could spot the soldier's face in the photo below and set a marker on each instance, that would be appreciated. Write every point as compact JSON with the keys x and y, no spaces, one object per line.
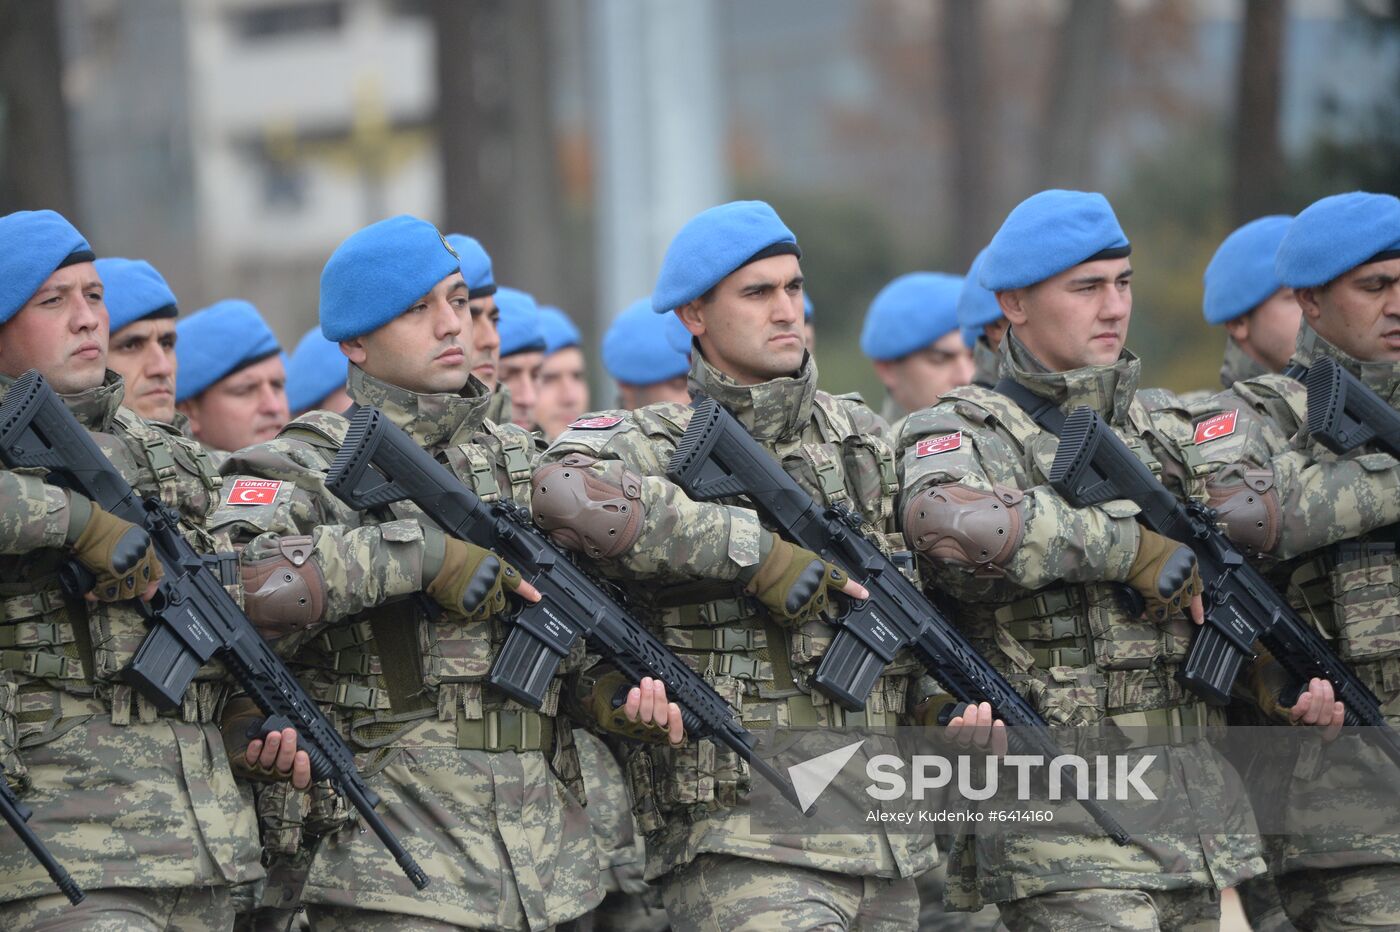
{"x":1359,"y":312}
{"x":918,"y":380}
{"x":1077,"y":318}
{"x":426,"y":349}
{"x":61,"y":331}
{"x":675,"y":390}
{"x":521,"y":374}
{"x":143,"y":354}
{"x":562,"y":392}
{"x":751,"y":328}
{"x":1270,"y":331}
{"x":247,"y":407}
{"x":486,"y":340}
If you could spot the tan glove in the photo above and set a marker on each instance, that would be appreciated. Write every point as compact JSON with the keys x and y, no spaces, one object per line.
{"x":119,"y":553}
{"x":241,"y":713}
{"x":793,"y":583}
{"x":473,"y":581}
{"x":1165,"y":573}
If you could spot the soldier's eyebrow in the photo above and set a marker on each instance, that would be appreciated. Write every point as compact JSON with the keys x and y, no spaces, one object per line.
{"x":1087,"y":280}
{"x":1379,"y":279}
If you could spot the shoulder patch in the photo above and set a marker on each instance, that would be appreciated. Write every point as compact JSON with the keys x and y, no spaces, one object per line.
{"x":1213,"y":428}
{"x":944,"y":444}
{"x":252,"y":492}
{"x":595,"y":423}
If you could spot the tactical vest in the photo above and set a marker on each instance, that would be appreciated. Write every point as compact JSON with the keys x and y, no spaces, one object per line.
{"x":763,"y":670}
{"x":1080,"y":651}
{"x":64,"y":654}
{"x":436,"y":664}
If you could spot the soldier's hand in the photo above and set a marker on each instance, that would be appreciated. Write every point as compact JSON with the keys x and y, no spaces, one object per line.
{"x":1317,"y":705}
{"x":275,"y":757}
{"x":977,"y":726}
{"x":646,"y":704}
{"x":1165,"y":573}
{"x":473,"y":581}
{"x":118,"y":553}
{"x":795,"y":584}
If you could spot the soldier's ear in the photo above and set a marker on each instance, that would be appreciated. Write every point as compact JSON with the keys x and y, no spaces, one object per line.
{"x":692,"y":316}
{"x":354,"y":350}
{"x":1238,"y":329}
{"x":1307,"y":300}
{"x":1012,"y":308}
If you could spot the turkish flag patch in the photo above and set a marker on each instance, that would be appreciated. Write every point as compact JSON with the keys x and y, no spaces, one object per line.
{"x":932,"y":445}
{"x":253,"y":492}
{"x":595,"y":423}
{"x":1213,"y":428}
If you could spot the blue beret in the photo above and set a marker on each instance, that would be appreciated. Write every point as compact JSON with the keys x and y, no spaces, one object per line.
{"x":1241,"y":274}
{"x":909,"y":313}
{"x":713,"y":244}
{"x":1048,"y":233}
{"x":520,"y":327}
{"x":476,"y":265}
{"x":559,"y":331}
{"x":806,"y":306}
{"x":977,"y":306}
{"x":133,"y":290}
{"x":1335,"y":235}
{"x":638,"y":347}
{"x":377,"y":274}
{"x":33,"y":245}
{"x":317,"y":368}
{"x":218,"y":341}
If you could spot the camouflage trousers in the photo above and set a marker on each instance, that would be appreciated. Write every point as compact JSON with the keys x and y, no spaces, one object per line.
{"x":1190,"y":910}
{"x":724,"y":893}
{"x":348,"y":919}
{"x":934,"y":915}
{"x":191,"y":909}
{"x":1263,"y":905}
{"x":1365,"y":897}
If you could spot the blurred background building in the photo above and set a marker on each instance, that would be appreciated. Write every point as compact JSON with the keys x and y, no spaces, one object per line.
{"x":234,"y":143}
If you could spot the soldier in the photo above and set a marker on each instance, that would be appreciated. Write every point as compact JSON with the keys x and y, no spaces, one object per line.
{"x":316,"y":375}
{"x":233,"y":386}
{"x":982,"y":325}
{"x":135,"y":802}
{"x":638,"y":354}
{"x":1341,"y":258}
{"x":486,"y":318}
{"x":733,"y":277}
{"x":911,"y":335}
{"x":562,"y":389}
{"x":1034,"y":579}
{"x":142,"y":311}
{"x":522,"y":352}
{"x":1243,"y":292}
{"x":468,"y":777}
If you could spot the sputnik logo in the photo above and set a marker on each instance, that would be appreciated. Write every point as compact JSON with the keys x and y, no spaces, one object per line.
{"x":811,"y":777}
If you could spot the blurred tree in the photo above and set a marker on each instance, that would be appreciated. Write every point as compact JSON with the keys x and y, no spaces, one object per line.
{"x":35,"y":161}
{"x":1083,"y":55}
{"x":965,"y":92}
{"x":1257,"y":157}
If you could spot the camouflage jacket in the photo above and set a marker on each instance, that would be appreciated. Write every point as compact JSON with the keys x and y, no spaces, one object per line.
{"x":985,"y":363}
{"x":682,"y":573}
{"x":406,"y":685}
{"x":1053,"y":620}
{"x":64,"y":709}
{"x":1238,"y":364}
{"x":498,"y":409}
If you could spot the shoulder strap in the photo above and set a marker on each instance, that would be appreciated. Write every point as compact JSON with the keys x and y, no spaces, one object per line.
{"x":1041,"y":410}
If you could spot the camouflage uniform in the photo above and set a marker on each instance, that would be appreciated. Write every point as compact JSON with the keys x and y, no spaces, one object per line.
{"x":1337,"y":518}
{"x":1238,"y":365}
{"x":467,"y":777}
{"x":985,"y":363}
{"x":1049,"y":618}
{"x":498,"y":407}
{"x":683,"y":569}
{"x":140,"y":806}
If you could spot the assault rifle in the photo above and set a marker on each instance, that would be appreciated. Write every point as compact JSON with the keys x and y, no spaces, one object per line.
{"x":717,"y":458}
{"x":192,"y":617}
{"x":17,"y":814}
{"x":379,"y":464}
{"x":1092,"y":465}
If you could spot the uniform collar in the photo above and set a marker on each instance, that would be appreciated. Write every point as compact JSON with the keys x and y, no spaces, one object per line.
{"x":1238,"y":365}
{"x":985,"y":362}
{"x":774,"y":410}
{"x":434,"y":420}
{"x":94,"y":408}
{"x":1108,"y":390}
{"x":1381,"y":377}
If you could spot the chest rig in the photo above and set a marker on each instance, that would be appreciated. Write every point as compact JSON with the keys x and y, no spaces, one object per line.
{"x":761,"y":668}
{"x":1081,"y":651}
{"x":66,"y":654}
{"x":396,"y":665}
